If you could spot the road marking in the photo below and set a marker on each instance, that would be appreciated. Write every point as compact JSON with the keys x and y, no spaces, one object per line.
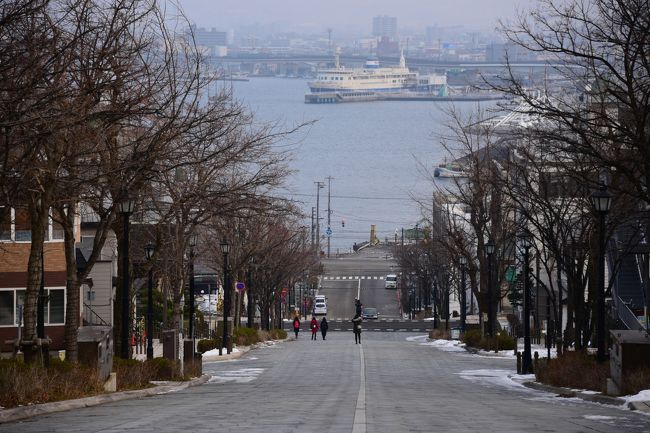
{"x":359,"y":425}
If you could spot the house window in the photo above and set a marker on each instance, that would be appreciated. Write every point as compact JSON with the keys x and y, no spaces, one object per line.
{"x":7,"y":308}
{"x":56,"y":307}
{"x":57,"y":228}
{"x":5,"y":223}
{"x":23,"y":226}
{"x":11,"y":300}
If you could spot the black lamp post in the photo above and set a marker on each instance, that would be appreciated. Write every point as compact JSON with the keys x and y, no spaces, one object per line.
{"x":489,"y":250}
{"x":601,"y":201}
{"x":225,"y":249}
{"x":125,"y":207}
{"x":527,"y":362}
{"x":463,"y":296}
{"x":193,"y":242}
{"x":148,"y":252}
{"x":249,"y":293}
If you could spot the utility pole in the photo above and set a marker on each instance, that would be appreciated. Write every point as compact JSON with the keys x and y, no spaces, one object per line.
{"x":319,"y":185}
{"x":329,"y":214}
{"x":313,"y":227}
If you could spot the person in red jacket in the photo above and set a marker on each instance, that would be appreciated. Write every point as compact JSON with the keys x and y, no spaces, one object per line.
{"x":314,"y":327}
{"x":296,"y":325}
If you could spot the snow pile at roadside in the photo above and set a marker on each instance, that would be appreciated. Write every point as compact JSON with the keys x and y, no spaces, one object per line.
{"x":642,"y":396}
{"x":215,"y":352}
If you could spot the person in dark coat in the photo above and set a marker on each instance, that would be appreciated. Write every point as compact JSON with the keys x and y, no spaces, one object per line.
{"x":358,"y":307}
{"x":356,"y":327}
{"x":323,"y":327}
{"x":296,"y":325}
{"x":314,"y":327}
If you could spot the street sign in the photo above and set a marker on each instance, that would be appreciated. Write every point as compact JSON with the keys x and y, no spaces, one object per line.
{"x":240,"y":286}
{"x":328,"y":232}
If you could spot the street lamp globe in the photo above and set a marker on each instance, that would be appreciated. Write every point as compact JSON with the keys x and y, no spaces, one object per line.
{"x":225,"y":246}
{"x":194,"y":239}
{"x":462,"y":260}
{"x":126,"y":205}
{"x":489,"y":247}
{"x":149,"y":250}
{"x":601,"y":200}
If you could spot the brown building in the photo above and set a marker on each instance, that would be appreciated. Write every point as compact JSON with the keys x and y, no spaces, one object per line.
{"x":15,"y":244}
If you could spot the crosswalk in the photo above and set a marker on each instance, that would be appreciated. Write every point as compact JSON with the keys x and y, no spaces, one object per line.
{"x":354,"y":277}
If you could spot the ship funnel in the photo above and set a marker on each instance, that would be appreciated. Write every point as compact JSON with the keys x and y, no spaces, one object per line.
{"x":402,"y":60}
{"x":337,"y":58}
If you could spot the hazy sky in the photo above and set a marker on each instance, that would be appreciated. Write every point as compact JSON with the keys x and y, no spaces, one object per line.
{"x":350,"y":15}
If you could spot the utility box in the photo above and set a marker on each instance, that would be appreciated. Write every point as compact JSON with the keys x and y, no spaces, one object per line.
{"x":630,"y":352}
{"x":95,"y":349}
{"x":170,"y":344}
{"x":192,"y":361}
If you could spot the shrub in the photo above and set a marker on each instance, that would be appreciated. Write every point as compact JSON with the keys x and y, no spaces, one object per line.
{"x":278,"y":334}
{"x":636,"y":381}
{"x":206,"y":345}
{"x":472,"y":338}
{"x":502,"y":341}
{"x":573,"y":370}
{"x":245,"y":336}
{"x":22,"y":384}
{"x":164,"y":369}
{"x":131,"y":374}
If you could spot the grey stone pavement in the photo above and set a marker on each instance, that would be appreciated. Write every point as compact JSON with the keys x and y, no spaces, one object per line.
{"x":387,"y":384}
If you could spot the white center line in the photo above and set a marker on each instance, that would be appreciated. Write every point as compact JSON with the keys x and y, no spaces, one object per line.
{"x":359,"y":425}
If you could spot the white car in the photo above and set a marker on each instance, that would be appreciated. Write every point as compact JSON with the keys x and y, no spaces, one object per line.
{"x":320,"y":308}
{"x":391,"y":281}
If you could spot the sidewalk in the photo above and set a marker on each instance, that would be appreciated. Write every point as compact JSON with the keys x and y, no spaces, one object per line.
{"x":18,"y":413}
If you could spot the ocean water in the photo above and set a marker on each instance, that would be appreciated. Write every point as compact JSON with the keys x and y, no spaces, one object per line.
{"x":380,"y":156}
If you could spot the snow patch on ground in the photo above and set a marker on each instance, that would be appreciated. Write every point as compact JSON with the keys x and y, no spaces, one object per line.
{"x":642,"y":396}
{"x":243,"y":375}
{"x":446,"y":345}
{"x":501,"y":378}
{"x":215,"y":352}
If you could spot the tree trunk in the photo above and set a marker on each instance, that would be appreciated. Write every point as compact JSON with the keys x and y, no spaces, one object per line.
{"x":38,"y":219}
{"x":72,"y":290}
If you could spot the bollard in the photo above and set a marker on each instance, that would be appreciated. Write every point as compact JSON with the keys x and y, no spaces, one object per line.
{"x":518,"y":362}
{"x":535,"y":361}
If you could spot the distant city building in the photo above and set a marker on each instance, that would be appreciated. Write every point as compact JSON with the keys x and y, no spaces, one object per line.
{"x":215,"y":41}
{"x":387,"y":47}
{"x":384,"y":26}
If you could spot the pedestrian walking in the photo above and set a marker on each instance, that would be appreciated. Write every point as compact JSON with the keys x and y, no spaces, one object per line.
{"x":323,"y":327}
{"x":296,"y":325}
{"x":314,"y":327}
{"x":356,"y":327}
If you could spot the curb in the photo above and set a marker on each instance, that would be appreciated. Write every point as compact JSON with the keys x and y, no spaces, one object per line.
{"x":571,"y":393}
{"x":18,"y":413}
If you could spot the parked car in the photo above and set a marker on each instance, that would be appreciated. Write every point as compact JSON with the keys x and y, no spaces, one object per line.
{"x":369,"y":313}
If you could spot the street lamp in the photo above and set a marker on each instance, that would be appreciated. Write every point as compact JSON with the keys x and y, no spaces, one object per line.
{"x":463,"y":296}
{"x":601,"y":201}
{"x":148,"y":252}
{"x":193,"y":241}
{"x":489,"y":250}
{"x":249,"y":292}
{"x":527,"y":362}
{"x":225,"y":249}
{"x":125,"y":207}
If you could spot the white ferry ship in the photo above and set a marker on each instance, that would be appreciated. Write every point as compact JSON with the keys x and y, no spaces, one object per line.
{"x":370,"y":78}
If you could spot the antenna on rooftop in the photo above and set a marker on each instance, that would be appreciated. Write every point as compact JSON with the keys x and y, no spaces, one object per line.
{"x":329,"y":39}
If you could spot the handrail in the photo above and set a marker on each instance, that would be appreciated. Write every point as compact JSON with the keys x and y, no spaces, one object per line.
{"x":94,"y":314}
{"x":627,"y":316}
